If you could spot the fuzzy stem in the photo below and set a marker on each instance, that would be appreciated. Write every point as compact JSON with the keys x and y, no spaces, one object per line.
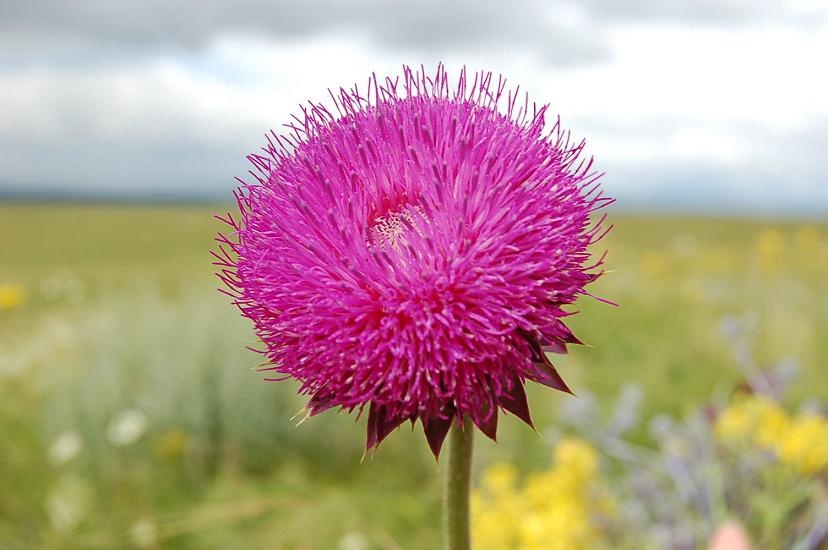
{"x":456,"y":490}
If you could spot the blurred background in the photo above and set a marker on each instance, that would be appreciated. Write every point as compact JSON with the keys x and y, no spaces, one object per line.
{"x":131,"y":414}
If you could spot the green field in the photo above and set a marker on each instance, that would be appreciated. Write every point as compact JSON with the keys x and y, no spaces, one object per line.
{"x":111,"y":316}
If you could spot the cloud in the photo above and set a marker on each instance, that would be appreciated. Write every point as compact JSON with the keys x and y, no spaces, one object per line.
{"x":166,"y":98}
{"x":152,"y":128}
{"x":538,"y":25}
{"x":735,"y":167}
{"x":722,"y":12}
{"x":38,"y":26}
{"x":167,"y":125}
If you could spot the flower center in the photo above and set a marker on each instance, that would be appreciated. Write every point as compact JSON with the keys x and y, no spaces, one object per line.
{"x":390,"y":230}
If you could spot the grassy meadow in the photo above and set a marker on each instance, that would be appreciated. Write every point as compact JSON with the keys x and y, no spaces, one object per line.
{"x":131,"y":414}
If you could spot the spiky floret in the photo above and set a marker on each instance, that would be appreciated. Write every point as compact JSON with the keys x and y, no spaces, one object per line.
{"x":413,"y":251}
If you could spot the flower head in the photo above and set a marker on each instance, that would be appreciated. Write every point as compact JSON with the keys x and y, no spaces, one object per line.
{"x":412,"y":250}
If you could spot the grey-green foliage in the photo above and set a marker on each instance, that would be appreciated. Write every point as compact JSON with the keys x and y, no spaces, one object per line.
{"x":181,"y":360}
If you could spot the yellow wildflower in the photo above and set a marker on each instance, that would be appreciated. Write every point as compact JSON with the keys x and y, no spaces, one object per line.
{"x":555,"y":508}
{"x":733,"y":424}
{"x":770,"y":245}
{"x":495,"y":524}
{"x":800,"y":441}
{"x":805,"y":444}
{"x":12,"y":296}
{"x":755,"y":419}
{"x":770,"y":420}
{"x":576,"y":455}
{"x":500,"y":478}
{"x":496,"y":513}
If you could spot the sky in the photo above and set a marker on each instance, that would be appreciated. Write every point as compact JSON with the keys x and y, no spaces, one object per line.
{"x":711,"y":105}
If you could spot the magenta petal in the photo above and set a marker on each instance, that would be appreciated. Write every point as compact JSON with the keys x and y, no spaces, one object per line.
{"x":542,"y":371}
{"x":546,"y":374}
{"x":380,"y":425}
{"x":371,"y":439}
{"x":514,"y":401}
{"x":388,"y":425}
{"x":436,"y":429}
{"x":486,"y":419}
{"x":569,"y":337}
{"x":554,"y":346}
{"x":320,"y":403}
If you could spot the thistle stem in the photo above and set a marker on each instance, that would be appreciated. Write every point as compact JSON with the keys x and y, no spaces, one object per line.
{"x":456,"y":490}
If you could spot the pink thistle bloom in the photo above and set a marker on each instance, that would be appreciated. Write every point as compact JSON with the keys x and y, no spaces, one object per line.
{"x":412,"y":251}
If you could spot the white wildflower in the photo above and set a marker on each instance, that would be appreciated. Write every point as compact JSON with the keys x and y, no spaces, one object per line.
{"x":66,"y":447}
{"x":127,"y":427}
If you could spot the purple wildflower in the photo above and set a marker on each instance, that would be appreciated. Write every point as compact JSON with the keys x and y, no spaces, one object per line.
{"x":413,"y":251}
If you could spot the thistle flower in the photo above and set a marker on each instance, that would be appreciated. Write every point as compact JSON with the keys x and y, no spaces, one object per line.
{"x":413,"y":249}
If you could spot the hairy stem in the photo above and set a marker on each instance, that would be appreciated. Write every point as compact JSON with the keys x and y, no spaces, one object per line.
{"x":456,"y":490}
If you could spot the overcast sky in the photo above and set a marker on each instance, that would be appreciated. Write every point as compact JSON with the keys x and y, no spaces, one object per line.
{"x":715,"y":105}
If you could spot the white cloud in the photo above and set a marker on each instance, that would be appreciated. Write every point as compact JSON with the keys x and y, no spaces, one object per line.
{"x":668,"y":95}
{"x":766,"y":75}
